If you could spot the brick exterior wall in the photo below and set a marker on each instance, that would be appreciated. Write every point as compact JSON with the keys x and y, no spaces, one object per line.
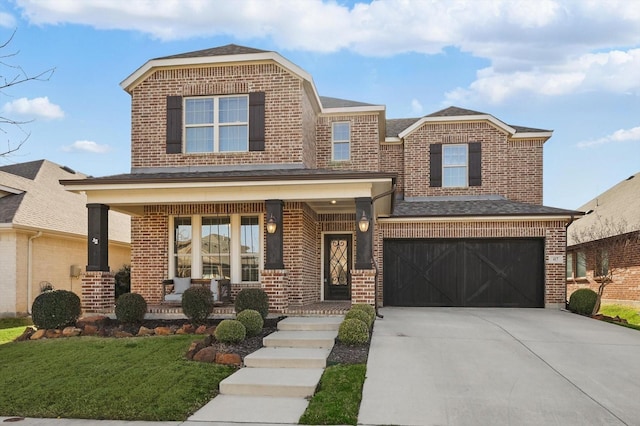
{"x":392,"y":161}
{"x":365,"y":143}
{"x":300,"y":245}
{"x":275,"y":284}
{"x":98,"y":292}
{"x":363,"y":286}
{"x":553,"y":233}
{"x":285,"y":105}
{"x":510,"y":168}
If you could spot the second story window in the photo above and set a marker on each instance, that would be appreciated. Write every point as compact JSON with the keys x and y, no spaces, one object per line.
{"x":454,"y":165}
{"x":217,"y":124}
{"x":341,"y":141}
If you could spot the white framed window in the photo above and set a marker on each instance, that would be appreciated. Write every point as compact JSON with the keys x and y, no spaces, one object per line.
{"x":455,"y":166}
{"x":216,"y":124}
{"x":341,"y":141}
{"x":204,"y":246}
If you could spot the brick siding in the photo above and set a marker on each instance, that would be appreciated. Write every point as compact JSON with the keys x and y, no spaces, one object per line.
{"x":365,"y":142}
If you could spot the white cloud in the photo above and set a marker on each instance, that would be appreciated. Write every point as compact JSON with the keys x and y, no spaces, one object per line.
{"x":416,"y":107}
{"x":7,"y":20}
{"x":622,"y":135}
{"x":87,"y":146}
{"x":36,"y":107}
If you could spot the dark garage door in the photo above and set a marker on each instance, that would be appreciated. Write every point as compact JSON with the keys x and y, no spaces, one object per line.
{"x":506,"y":272}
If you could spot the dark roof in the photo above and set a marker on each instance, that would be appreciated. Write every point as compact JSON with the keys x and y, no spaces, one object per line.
{"x":396,"y":125}
{"x":522,"y":129}
{"x":474,"y":207}
{"x":9,"y":205}
{"x":230,"y":175}
{"x":229,"y":49}
{"x":328,"y":102}
{"x":27,"y":170}
{"x":453,"y":111}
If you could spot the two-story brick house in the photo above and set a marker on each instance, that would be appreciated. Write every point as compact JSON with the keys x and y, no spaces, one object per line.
{"x":240,"y":170}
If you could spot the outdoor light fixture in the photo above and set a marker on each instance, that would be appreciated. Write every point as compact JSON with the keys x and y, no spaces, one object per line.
{"x":271,"y":225}
{"x":363,"y":223}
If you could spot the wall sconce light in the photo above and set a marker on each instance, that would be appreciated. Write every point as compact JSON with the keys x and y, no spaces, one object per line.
{"x":363,"y":223}
{"x":271,"y":225}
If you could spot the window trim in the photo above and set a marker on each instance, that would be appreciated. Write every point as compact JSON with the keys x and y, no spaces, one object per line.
{"x":235,"y":255}
{"x":466,"y":165}
{"x":335,"y":141}
{"x":216,"y":124}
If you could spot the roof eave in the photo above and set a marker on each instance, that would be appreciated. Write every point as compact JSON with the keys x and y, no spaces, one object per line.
{"x":483,"y":218}
{"x":533,"y":135}
{"x":456,"y":118}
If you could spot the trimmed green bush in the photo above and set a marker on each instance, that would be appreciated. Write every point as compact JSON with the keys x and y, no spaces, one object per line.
{"x":370,"y":310}
{"x":361,"y":315}
{"x":55,"y":309}
{"x":230,"y":331}
{"x":353,"y":332}
{"x":252,"y":321}
{"x":253,"y":298}
{"x":197,"y":304}
{"x":130,"y":308}
{"x":582,"y":301}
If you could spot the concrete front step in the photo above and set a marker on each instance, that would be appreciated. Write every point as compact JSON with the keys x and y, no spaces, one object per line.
{"x":251,"y":409}
{"x":288,"y":358}
{"x":281,"y":382}
{"x":301,"y":339}
{"x":310,"y":323}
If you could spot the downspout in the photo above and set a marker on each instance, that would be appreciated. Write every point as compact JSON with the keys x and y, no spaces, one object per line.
{"x":566,"y":244}
{"x":29,"y":269}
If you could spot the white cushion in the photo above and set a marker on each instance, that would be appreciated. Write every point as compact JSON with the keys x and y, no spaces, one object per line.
{"x":173,"y":297}
{"x":180,"y":285}
{"x":214,"y":289}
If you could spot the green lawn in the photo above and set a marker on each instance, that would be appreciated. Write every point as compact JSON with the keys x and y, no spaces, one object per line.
{"x":97,"y":378}
{"x":10,"y":328}
{"x":631,"y":314}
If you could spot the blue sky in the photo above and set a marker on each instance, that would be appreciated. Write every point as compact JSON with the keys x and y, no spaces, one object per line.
{"x":569,"y":66}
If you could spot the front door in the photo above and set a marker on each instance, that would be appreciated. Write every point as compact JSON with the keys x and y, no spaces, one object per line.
{"x":337,"y":267}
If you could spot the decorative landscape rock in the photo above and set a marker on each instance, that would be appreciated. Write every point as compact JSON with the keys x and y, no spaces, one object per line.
{"x":39,"y":334}
{"x":144,"y":331}
{"x":208,"y":354}
{"x":90,"y":330}
{"x":26,"y":334}
{"x":71,"y":331}
{"x":226,"y":359}
{"x":52,"y":333}
{"x":162,"y":331}
{"x":121,"y":334}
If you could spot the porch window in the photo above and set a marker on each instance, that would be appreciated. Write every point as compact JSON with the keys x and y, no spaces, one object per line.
{"x":341,"y":141}
{"x":454,"y":166}
{"x":217,"y":124}
{"x":217,"y":247}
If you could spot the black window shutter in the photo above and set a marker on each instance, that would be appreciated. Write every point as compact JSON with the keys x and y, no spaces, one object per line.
{"x":435,"y":161}
{"x":174,"y":124}
{"x":256,"y":121}
{"x":475,"y":164}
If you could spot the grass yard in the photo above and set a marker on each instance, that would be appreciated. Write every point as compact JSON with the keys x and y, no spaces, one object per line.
{"x":338,"y":399}
{"x":10,"y":328}
{"x":631,"y":314}
{"x":97,"y":378}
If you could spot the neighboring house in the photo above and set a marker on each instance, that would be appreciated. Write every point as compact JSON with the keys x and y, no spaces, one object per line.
{"x":43,"y":234}
{"x":237,"y":162}
{"x":606,"y":242}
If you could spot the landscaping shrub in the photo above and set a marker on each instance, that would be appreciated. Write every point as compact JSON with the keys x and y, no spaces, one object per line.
{"x":353,"y":332}
{"x":582,"y":301}
{"x":370,"y":310}
{"x":253,"y":298}
{"x":130,"y":308}
{"x":122,"y":281}
{"x":197,"y":304}
{"x":252,"y":321}
{"x":55,"y":309}
{"x":361,"y":315}
{"x":230,"y":331}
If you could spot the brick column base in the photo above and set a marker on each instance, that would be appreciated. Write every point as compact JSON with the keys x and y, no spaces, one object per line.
{"x":363,"y":285}
{"x":98,"y":291}
{"x":274,"y":283}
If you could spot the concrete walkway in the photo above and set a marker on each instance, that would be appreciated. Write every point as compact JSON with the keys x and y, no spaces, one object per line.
{"x":450,"y":366}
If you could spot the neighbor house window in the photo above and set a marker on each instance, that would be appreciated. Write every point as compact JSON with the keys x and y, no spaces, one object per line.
{"x":569,"y":265}
{"x":454,"y":166}
{"x":217,"y":247}
{"x":581,"y":264}
{"x":602,"y":264}
{"x":217,"y":124}
{"x":341,"y":141}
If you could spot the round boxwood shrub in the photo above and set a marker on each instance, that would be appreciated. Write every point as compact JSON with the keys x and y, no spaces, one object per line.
{"x":230,"y":331}
{"x":55,"y":309}
{"x":370,"y":310}
{"x":252,"y":298}
{"x":353,"y":332}
{"x":197,"y":304}
{"x":252,"y":321}
{"x":130,"y":308}
{"x":582,"y":301}
{"x":361,"y":315}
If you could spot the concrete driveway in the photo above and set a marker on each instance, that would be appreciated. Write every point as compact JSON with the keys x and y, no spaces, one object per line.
{"x":485,"y":366}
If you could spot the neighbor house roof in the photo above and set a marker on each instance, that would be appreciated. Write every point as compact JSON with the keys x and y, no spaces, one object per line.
{"x":229,"y":49}
{"x":37,"y":201}
{"x":618,"y":204}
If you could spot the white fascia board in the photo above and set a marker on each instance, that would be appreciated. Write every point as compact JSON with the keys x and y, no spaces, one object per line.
{"x":458,"y":118}
{"x":10,"y":190}
{"x":353,"y":110}
{"x":446,"y":219}
{"x":392,"y":140}
{"x":532,"y":135}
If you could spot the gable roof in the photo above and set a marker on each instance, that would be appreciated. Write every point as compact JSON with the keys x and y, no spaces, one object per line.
{"x":618,"y":204}
{"x":27,"y":170}
{"x":229,"y":49}
{"x":328,"y":102}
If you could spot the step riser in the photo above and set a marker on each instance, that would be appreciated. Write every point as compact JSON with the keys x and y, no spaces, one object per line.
{"x":285,"y":363}
{"x":293,"y":343}
{"x":267,"y":390}
{"x":308,"y":327}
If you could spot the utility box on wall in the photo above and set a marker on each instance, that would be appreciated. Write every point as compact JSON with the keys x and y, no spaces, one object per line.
{"x":75,"y":271}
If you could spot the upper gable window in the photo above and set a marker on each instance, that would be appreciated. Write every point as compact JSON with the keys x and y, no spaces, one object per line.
{"x":217,"y":124}
{"x":341,"y":141}
{"x":455,"y":165}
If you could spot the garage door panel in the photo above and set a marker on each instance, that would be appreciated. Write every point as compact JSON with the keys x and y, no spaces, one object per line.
{"x":480,"y":273}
